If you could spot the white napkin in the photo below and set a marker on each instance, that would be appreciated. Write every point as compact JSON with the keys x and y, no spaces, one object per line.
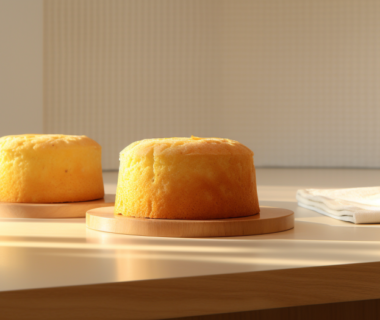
{"x":357,"y":205}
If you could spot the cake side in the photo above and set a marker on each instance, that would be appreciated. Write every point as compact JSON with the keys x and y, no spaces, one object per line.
{"x":180,"y":179}
{"x":49,"y":169}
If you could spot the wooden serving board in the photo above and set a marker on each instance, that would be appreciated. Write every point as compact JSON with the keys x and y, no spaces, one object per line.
{"x":269,"y":220}
{"x":53,"y":210}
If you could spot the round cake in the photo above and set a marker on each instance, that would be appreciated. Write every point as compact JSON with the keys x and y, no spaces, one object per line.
{"x":50,"y":168}
{"x":186,"y":178}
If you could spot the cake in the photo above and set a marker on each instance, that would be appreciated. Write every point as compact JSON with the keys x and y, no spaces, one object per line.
{"x":186,"y":178}
{"x":50,"y":168}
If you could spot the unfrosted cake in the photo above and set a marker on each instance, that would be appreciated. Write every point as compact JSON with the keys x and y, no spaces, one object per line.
{"x":186,"y":178}
{"x":50,"y":168}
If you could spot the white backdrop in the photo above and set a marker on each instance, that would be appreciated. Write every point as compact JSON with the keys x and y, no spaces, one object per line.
{"x":21,"y":67}
{"x":296,"y":81}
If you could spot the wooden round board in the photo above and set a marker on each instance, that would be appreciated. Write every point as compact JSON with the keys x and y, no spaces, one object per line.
{"x":53,"y":210}
{"x":269,"y":220}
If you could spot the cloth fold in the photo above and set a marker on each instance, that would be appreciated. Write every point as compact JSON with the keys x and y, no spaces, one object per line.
{"x":357,"y":205}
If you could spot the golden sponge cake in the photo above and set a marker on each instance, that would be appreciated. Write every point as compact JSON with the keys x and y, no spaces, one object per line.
{"x":186,"y":178}
{"x":50,"y":168}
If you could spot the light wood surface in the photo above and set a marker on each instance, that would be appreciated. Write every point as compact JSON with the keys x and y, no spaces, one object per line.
{"x":200,"y":297}
{"x":53,"y":210}
{"x":58,"y":268}
{"x":269,"y":220}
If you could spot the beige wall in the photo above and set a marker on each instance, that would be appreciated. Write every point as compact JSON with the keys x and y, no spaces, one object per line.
{"x":21,"y":103}
{"x":297,"y":81}
{"x":302,"y":81}
{"x":120,"y":71}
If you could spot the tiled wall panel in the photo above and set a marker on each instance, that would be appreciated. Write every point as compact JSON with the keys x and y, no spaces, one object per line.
{"x":120,"y":71}
{"x":297,"y":81}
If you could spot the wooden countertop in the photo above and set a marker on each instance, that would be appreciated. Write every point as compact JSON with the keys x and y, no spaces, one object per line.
{"x":51,"y":264}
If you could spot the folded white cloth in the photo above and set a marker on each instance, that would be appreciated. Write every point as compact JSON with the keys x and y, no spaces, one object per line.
{"x":357,"y":205}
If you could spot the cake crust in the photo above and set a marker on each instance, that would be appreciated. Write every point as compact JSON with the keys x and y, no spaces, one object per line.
{"x":50,"y":169}
{"x":187,"y":178}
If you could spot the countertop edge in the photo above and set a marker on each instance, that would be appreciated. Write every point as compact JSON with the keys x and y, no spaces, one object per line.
{"x":201,"y":295}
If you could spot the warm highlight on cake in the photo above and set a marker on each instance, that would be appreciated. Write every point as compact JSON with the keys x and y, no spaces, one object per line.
{"x":50,"y":168}
{"x":186,"y":178}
